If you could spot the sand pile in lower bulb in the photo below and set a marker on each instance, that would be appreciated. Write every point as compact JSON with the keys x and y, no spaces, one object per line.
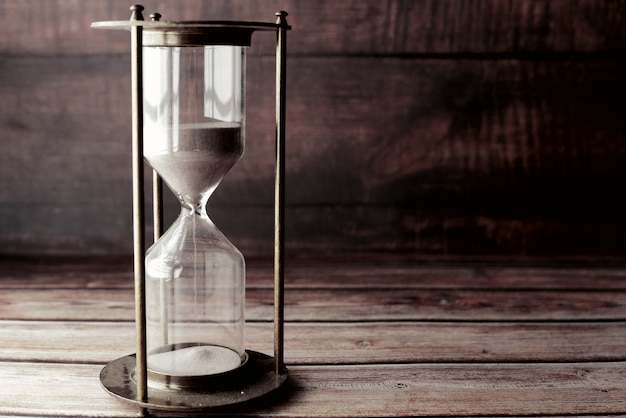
{"x":194,"y":361}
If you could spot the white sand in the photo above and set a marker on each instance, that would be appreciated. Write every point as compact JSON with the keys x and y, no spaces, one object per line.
{"x":194,"y":361}
{"x":199,"y":160}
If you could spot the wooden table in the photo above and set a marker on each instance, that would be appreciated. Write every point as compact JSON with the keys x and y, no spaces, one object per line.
{"x":366,"y":336}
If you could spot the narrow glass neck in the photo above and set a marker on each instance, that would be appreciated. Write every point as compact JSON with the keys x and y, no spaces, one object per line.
{"x":197,"y":208}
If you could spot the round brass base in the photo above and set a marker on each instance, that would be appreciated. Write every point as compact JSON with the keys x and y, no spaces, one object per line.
{"x":257,"y":380}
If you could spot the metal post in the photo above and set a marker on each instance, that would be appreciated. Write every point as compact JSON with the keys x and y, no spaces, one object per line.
{"x":141,"y":374}
{"x":279,"y":200}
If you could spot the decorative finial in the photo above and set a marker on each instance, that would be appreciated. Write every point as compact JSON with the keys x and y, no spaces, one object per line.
{"x":155,"y":16}
{"x":281,"y":18}
{"x":136,"y":10}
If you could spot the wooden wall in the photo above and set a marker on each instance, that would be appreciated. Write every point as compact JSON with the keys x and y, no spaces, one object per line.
{"x":458,"y":127}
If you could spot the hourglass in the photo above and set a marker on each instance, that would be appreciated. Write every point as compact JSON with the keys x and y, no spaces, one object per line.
{"x":188,"y":125}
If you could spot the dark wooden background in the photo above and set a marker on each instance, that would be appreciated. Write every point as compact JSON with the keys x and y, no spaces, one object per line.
{"x":456,"y":127}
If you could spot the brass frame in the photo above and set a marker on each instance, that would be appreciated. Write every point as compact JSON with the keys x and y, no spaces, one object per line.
{"x":264,"y":374}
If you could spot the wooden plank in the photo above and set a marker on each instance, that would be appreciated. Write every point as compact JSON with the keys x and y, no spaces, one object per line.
{"x":62,"y":390}
{"x":66,"y":272}
{"x":348,"y":27}
{"x":342,"y":343}
{"x":401,"y":271}
{"x":377,"y":304}
{"x":460,"y":390}
{"x":380,"y":390}
{"x":345,"y":271}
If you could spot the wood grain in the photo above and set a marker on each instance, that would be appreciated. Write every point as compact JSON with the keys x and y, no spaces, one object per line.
{"x":552,"y":348}
{"x":411,"y":390}
{"x":344,"y":343}
{"x":344,"y":271}
{"x":428,"y":126}
{"x":348,"y":27}
{"x":463,"y":390}
{"x":491,"y":159}
{"x":336,"y":305}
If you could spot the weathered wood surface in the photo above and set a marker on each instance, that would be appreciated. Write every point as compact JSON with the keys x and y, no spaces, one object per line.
{"x":389,"y":289}
{"x":340,"y":305}
{"x":345,"y":361}
{"x":592,"y":389}
{"x":319,"y":343}
{"x":347,"y":27}
{"x":304,"y":272}
{"x":508,"y":181}
{"x":430,"y":126}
